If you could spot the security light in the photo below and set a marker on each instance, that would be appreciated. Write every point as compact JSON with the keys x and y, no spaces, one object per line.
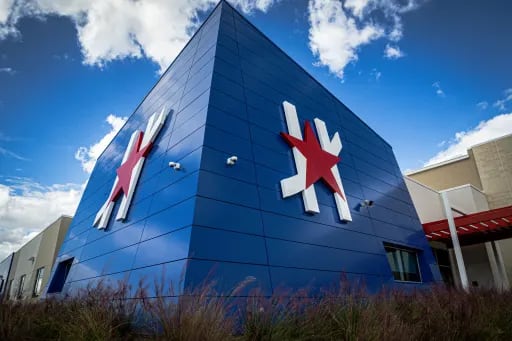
{"x":367,"y":203}
{"x":175,"y":165}
{"x":231,"y":160}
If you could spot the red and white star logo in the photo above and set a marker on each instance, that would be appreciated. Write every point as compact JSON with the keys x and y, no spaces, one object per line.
{"x":314,"y":161}
{"x":128,"y":173}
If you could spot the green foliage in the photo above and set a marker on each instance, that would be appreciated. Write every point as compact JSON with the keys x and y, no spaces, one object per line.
{"x":102,"y":312}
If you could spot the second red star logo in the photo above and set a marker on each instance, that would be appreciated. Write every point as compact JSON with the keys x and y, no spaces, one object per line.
{"x":315,"y":160}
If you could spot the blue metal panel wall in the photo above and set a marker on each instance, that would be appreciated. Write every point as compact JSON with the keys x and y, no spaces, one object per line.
{"x":210,"y":221}
{"x":153,"y":241}
{"x":243,"y":227}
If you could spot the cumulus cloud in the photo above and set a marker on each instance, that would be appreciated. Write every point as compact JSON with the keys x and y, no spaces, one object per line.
{"x":501,"y":104}
{"x":393,"y":52}
{"x":26,"y":207}
{"x":5,"y":10}
{"x":495,"y":127}
{"x":339,"y":29}
{"x":88,"y":155}
{"x":437,"y":88}
{"x":117,"y":29}
{"x":335,"y":37}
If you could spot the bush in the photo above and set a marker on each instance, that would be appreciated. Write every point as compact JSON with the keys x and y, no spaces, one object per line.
{"x":102,"y":312}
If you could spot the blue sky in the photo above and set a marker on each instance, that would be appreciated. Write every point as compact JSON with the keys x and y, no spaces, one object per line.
{"x":431,"y":77}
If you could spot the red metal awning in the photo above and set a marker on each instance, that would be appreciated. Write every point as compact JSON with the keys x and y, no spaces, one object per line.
{"x":471,"y":224}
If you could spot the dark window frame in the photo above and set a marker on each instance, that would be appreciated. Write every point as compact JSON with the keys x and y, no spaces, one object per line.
{"x":19,"y":294}
{"x":38,"y":282}
{"x":404,"y":277}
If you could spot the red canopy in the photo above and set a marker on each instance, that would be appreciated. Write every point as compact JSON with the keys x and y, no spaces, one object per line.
{"x":471,"y":224}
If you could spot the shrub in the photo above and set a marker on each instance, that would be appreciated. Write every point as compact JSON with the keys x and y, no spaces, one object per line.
{"x":102,"y":312}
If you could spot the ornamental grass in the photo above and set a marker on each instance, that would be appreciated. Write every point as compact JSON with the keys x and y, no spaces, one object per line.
{"x":103,"y":312}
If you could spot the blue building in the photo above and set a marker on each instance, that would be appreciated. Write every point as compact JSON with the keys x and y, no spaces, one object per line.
{"x":230,"y":169}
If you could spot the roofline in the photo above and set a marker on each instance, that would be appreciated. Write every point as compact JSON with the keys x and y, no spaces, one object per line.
{"x":439,"y":164}
{"x":457,"y":158}
{"x":420,"y":183}
{"x":43,"y":230}
{"x":462,"y":186}
{"x":491,"y":140}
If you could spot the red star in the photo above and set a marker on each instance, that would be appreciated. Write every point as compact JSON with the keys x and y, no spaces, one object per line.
{"x":124,"y":172}
{"x":318,"y":161}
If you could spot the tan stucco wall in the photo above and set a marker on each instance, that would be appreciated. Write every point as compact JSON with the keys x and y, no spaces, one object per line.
{"x":494,"y":162}
{"x":467,"y":199}
{"x":450,"y":175}
{"x":51,"y":241}
{"x":427,"y":202}
{"x":44,"y":248}
{"x":25,"y":266}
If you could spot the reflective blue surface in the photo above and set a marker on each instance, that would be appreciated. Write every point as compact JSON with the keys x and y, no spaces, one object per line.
{"x":211,"y":221}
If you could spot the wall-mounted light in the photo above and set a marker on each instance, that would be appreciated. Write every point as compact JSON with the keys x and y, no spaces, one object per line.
{"x":366,"y":203}
{"x":175,"y":165}
{"x":32,"y":259}
{"x":231,"y":160}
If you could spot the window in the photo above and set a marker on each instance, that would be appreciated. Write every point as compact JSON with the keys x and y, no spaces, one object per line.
{"x":59,"y":278}
{"x":38,"y":282}
{"x":443,"y":261}
{"x":9,"y":288}
{"x":19,"y":295}
{"x":403,"y":263}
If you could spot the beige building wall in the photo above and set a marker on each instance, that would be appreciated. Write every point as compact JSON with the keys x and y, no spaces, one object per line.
{"x":52,"y":238}
{"x":427,"y":201}
{"x":39,"y":252}
{"x":494,"y":162}
{"x":453,"y":173}
{"x":25,"y":267}
{"x":466,"y":199}
{"x":474,"y":183}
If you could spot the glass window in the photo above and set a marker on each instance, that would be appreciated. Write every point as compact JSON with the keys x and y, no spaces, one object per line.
{"x":9,"y":289}
{"x":20,"y":287}
{"x":38,"y":282}
{"x":403,"y":263}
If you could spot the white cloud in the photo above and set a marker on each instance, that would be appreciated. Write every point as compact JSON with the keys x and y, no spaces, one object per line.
{"x":88,"y":155}
{"x":5,"y":10}
{"x":376,"y":73}
{"x":6,"y":152}
{"x":339,"y":29}
{"x":26,"y":207}
{"x":393,"y":52}
{"x":117,"y":29}
{"x":7,"y":70}
{"x":357,"y":7}
{"x":437,"y":88}
{"x":501,"y":104}
{"x":248,"y":6}
{"x":495,"y":127}
{"x":482,"y":105}
{"x":334,"y":37}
